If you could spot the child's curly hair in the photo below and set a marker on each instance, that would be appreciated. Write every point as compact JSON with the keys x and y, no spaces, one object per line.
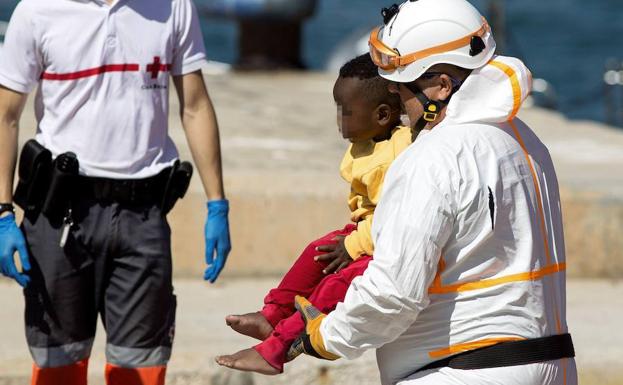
{"x":374,"y":86}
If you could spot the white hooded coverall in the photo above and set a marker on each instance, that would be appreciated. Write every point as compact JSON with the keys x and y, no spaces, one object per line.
{"x":469,"y":247}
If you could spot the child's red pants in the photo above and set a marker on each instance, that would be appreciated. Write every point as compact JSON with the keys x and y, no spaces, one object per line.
{"x":304,"y":278}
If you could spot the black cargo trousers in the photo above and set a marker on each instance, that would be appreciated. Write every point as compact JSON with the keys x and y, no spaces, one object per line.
{"x":116,"y":263}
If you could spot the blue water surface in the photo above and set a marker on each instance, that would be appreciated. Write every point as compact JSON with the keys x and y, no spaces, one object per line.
{"x":566,"y":42}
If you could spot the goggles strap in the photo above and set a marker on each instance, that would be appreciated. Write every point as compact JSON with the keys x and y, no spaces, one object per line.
{"x":474,"y":40}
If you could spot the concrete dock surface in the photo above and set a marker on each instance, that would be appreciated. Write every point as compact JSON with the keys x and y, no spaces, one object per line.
{"x":595,"y":308}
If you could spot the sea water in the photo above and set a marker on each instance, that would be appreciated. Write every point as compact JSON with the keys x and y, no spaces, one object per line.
{"x":566,"y":42}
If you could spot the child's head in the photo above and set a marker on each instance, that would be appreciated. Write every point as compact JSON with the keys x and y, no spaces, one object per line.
{"x":365,"y":107}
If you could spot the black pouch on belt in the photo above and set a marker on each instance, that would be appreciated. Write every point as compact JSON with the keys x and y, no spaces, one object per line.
{"x":35,"y":162}
{"x":177,"y":185}
{"x":63,"y":179}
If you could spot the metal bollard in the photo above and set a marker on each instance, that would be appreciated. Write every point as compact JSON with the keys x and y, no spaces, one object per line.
{"x":270,"y":31}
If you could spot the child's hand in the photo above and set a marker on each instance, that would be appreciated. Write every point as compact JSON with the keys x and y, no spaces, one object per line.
{"x":336,"y":255}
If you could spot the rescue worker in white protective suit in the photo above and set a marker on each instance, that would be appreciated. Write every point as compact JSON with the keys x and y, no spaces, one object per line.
{"x":467,"y":285}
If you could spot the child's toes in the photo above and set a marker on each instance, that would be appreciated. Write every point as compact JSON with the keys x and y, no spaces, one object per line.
{"x":227,"y":361}
{"x":232,"y":320}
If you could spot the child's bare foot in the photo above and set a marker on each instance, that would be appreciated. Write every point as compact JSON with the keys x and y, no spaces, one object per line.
{"x":251,"y":324}
{"x":248,"y":360}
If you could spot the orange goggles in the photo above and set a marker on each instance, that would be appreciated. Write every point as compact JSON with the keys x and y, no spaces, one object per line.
{"x":389,"y":59}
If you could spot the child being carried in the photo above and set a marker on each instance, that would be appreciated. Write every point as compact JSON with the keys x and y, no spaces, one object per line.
{"x":369,"y":116}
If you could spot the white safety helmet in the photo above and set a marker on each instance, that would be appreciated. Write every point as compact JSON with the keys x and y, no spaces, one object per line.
{"x":423,"y":33}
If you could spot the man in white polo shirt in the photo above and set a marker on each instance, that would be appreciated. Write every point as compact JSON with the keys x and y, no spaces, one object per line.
{"x":102,"y":69}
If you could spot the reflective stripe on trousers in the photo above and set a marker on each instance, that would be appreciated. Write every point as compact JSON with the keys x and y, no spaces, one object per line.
{"x":64,"y":355}
{"x":136,"y":357}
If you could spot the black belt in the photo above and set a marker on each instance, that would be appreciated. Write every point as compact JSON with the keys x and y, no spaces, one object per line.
{"x":510,"y":354}
{"x":125,"y":191}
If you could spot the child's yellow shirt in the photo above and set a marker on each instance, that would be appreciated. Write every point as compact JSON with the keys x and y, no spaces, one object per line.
{"x":364,"y":167}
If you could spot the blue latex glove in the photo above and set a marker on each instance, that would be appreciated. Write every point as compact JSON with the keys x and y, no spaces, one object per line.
{"x":12,"y":240}
{"x":217,"y":238}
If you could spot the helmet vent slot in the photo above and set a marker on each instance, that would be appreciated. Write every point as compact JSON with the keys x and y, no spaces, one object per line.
{"x":476,"y":46}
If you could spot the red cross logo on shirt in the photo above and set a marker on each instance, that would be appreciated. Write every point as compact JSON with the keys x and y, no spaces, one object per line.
{"x":156,"y":67}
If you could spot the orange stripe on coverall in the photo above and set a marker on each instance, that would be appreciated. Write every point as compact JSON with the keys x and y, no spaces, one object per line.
{"x":440,"y":268}
{"x":538,"y":192}
{"x":485,"y":283}
{"x":465,"y":346}
{"x":512,"y":75}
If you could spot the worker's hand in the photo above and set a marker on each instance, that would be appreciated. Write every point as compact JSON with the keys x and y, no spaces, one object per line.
{"x":336,"y":255}
{"x":12,"y":240}
{"x":310,"y":341}
{"x":217,"y":238}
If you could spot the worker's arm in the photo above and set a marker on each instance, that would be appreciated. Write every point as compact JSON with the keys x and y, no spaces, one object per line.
{"x":201,"y":128}
{"x":20,"y":71}
{"x":11,"y":238}
{"x":11,"y":107}
{"x":412,"y":223}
